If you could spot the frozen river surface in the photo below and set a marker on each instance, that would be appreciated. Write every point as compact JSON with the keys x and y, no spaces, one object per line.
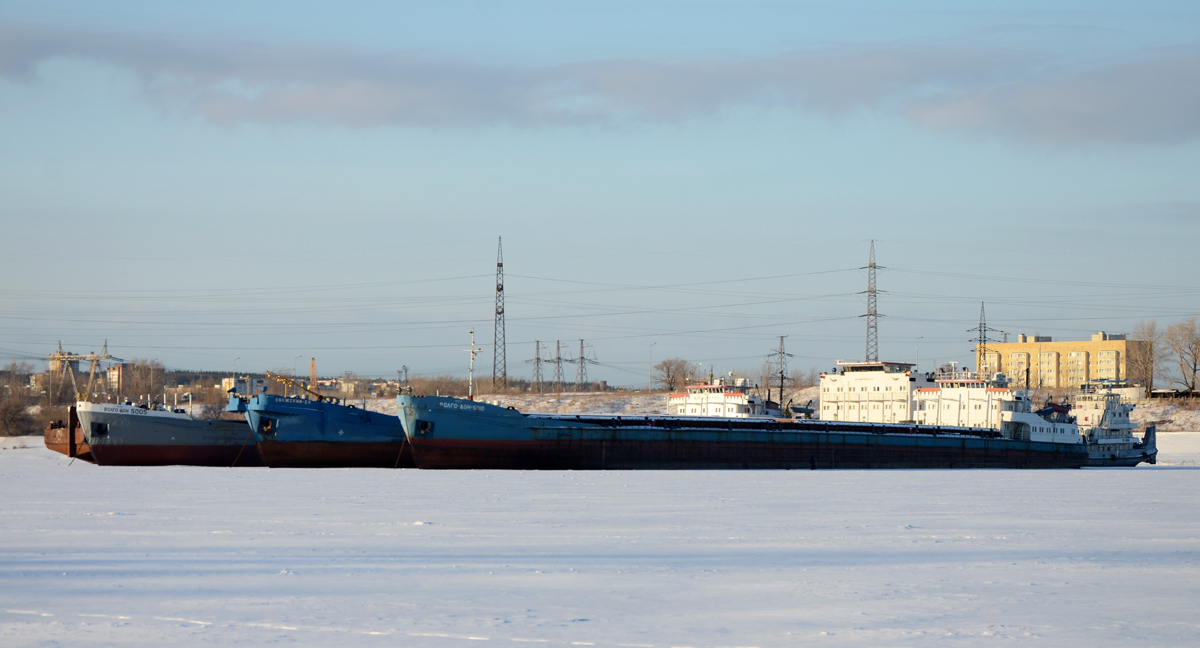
{"x":189,"y":556}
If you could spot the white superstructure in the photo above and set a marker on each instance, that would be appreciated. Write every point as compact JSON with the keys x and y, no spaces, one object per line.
{"x":891,"y":392}
{"x":870,"y":392}
{"x":719,"y":398}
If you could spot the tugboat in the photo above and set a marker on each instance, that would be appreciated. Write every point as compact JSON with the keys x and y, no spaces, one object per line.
{"x":1104,"y":420}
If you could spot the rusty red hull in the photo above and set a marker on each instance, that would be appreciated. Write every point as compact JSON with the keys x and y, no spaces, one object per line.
{"x":334,"y":454}
{"x":674,"y":455}
{"x":68,"y":438}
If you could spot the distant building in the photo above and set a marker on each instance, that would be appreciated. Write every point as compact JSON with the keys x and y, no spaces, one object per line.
{"x":244,"y":385}
{"x":115,"y":376}
{"x":1038,"y":361}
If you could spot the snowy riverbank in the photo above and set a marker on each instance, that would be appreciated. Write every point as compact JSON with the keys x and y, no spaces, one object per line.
{"x":181,"y":556}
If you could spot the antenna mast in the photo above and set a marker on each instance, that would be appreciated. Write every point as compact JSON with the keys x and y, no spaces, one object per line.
{"x":872,"y":313}
{"x":499,"y":366}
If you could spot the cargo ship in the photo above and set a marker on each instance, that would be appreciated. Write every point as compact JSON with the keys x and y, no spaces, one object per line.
{"x":321,"y":432}
{"x":150,"y":434}
{"x":463,"y":434}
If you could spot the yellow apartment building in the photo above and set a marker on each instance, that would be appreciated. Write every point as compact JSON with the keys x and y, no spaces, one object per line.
{"x":1038,"y":361}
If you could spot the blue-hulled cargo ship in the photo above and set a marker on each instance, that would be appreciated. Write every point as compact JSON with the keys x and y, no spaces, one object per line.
{"x":323,"y":432}
{"x":455,"y":433}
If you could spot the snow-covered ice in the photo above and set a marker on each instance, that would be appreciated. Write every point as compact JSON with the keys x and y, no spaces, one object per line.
{"x":179,"y":555}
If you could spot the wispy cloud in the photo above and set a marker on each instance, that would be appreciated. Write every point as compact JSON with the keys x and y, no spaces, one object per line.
{"x":1144,"y":101}
{"x":991,"y":91}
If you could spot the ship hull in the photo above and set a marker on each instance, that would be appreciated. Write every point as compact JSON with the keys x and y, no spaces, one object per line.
{"x":1121,"y":458}
{"x":68,"y":439}
{"x":328,"y":454}
{"x":300,"y":433}
{"x":450,"y":434}
{"x":119,"y":437}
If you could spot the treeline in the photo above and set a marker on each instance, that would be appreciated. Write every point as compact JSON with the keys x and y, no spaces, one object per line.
{"x":675,"y":373}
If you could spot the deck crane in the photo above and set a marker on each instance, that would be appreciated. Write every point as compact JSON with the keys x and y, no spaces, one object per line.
{"x":295,"y":384}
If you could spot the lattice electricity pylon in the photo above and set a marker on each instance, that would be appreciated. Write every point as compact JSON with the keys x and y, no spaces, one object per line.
{"x":581,"y":363}
{"x":499,"y":364}
{"x":872,"y":314}
{"x":558,"y":360}
{"x":779,"y":358}
{"x":982,"y":339}
{"x":537,"y":365}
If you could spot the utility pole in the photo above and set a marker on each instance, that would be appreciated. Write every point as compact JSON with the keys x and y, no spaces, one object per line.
{"x":471,"y":372}
{"x":872,"y":314}
{"x":650,"y":369}
{"x":499,"y":364}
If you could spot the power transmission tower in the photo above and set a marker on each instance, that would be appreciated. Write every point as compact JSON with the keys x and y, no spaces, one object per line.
{"x":581,"y":370}
{"x":499,"y":366}
{"x":872,"y":314}
{"x":782,"y":357}
{"x":537,"y":365}
{"x":982,"y":339}
{"x":581,"y":379}
{"x":558,"y":374}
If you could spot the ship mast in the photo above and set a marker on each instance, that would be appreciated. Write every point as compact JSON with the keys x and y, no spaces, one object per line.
{"x":471,"y":372}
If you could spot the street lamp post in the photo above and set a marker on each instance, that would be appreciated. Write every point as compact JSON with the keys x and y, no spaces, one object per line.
{"x":235,"y":373}
{"x":294,"y":370}
{"x":650,"y":370}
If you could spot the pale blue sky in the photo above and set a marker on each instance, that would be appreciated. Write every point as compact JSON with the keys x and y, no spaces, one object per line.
{"x":267,"y":180}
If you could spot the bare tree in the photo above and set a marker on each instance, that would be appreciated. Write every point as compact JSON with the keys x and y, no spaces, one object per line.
{"x":1183,"y":341}
{"x":810,"y":378}
{"x":673,"y":372}
{"x":143,"y":378}
{"x":1147,"y":353}
{"x":16,"y":381}
{"x":15,"y":419}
